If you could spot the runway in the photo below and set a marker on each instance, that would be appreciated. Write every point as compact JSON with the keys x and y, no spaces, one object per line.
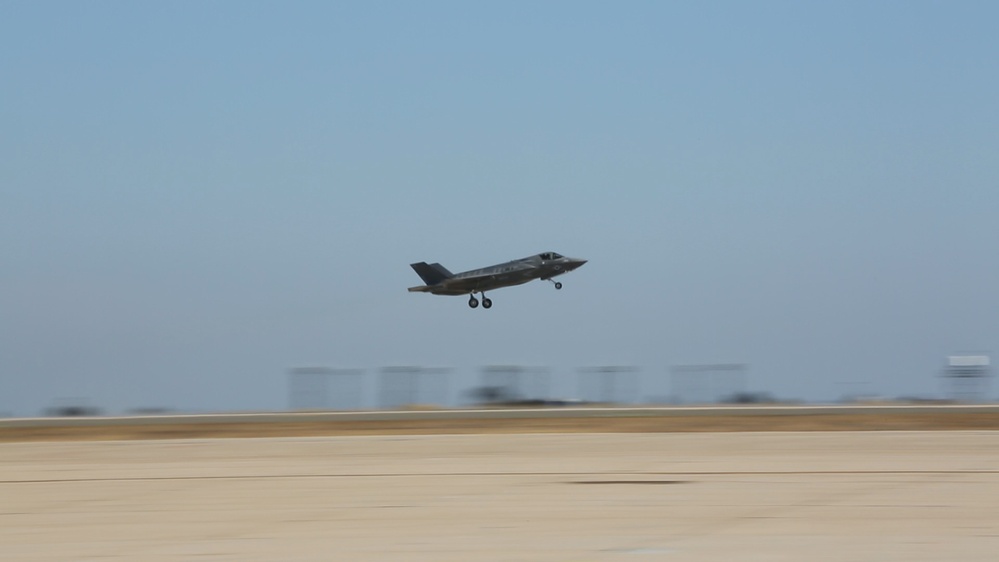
{"x":879,"y":496}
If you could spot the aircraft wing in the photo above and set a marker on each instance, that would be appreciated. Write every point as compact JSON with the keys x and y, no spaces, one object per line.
{"x":489,"y":279}
{"x":467,"y":284}
{"x":455,"y":286}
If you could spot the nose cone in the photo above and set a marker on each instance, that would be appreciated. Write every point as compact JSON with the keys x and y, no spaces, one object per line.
{"x":575,"y":262}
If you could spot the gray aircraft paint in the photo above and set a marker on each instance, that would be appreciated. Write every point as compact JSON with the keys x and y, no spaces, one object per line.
{"x":544,"y":266}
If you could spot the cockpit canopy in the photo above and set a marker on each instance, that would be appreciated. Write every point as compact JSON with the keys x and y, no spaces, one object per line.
{"x":550,"y":256}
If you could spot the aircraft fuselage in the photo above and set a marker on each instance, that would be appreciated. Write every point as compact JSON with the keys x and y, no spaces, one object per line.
{"x":543,"y":266}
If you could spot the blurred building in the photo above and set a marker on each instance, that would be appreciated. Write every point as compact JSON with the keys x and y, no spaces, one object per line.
{"x":967,"y":377}
{"x":325,"y":388}
{"x":707,"y":383}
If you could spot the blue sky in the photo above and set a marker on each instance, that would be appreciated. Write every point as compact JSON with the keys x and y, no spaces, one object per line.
{"x":196,"y":196}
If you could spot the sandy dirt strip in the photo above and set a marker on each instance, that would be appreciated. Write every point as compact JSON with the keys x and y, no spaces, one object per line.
{"x":472,"y":425}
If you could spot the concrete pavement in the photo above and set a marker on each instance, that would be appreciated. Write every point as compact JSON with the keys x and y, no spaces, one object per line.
{"x":858,"y":496}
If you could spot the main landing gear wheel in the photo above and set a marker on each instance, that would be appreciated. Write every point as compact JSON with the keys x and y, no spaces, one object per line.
{"x":558,"y":284}
{"x":474,"y":302}
{"x":486,"y":303}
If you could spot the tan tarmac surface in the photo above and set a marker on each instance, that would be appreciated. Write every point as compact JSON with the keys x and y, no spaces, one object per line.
{"x":796,"y":496}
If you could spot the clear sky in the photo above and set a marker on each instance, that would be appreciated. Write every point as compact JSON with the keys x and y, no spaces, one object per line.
{"x":196,"y":196}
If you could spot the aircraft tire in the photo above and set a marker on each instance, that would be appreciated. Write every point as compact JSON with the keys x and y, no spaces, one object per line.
{"x":558,"y":284}
{"x":473,"y":302}
{"x":486,"y":303}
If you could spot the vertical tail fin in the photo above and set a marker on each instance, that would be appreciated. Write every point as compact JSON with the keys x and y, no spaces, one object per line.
{"x":431,"y":274}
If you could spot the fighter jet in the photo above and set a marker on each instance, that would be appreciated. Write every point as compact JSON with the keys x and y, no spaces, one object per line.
{"x":440,"y":281}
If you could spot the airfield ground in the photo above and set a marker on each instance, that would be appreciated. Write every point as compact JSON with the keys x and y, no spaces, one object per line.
{"x":916,"y":419}
{"x":607,"y":489}
{"x":885,"y":496}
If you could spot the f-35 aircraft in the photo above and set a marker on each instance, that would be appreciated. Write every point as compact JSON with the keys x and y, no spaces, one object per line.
{"x":440,"y":281}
